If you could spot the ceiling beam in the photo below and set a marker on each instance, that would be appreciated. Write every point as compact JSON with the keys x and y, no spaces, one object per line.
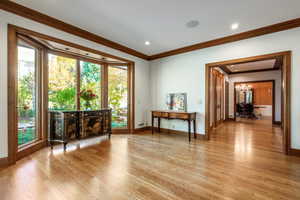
{"x":278,"y":63}
{"x":225,"y":69}
{"x":60,"y":25}
{"x":254,"y":71}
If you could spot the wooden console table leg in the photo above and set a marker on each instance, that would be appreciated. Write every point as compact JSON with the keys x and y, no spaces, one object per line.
{"x":159,"y":124}
{"x":65,"y":146}
{"x":189,"y":122}
{"x":152,"y":124}
{"x":195,"y":134}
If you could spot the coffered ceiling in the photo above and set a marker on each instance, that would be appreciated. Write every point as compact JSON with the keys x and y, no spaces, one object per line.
{"x":257,"y":66}
{"x":164,"y":23}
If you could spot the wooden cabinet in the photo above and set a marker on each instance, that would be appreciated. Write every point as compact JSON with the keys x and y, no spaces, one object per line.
{"x":186,"y":116}
{"x":67,"y":125}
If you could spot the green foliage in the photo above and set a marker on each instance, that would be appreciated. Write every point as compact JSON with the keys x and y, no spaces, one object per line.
{"x":90,"y":80}
{"x":62,"y":83}
{"x":26,"y":91}
{"x":90,"y":72}
{"x":62,"y":99}
{"x":26,"y":136}
{"x":117,"y":94}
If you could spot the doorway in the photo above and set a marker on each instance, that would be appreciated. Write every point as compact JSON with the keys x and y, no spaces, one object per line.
{"x":255,"y":100}
{"x":283,"y":58}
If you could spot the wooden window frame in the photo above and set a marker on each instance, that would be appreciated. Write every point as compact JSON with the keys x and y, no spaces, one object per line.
{"x":15,"y":33}
{"x":38,"y":66}
{"x":15,"y":151}
{"x":104,"y":84}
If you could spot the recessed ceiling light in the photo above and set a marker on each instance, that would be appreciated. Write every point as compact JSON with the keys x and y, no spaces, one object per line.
{"x":147,"y":43}
{"x":234,"y":26}
{"x":192,"y":24}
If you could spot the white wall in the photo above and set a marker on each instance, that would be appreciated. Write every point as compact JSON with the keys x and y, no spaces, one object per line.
{"x":142,"y":97}
{"x":266,"y":111}
{"x":186,"y":73}
{"x":259,"y":76}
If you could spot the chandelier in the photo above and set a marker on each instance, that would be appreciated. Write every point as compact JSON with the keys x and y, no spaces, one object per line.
{"x":243,"y":87}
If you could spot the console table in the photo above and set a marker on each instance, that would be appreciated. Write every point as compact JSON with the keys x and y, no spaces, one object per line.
{"x":67,"y":125}
{"x":186,"y":116}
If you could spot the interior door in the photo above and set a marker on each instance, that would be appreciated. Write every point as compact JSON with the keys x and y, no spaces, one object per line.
{"x":218,"y":97}
{"x":226,"y":97}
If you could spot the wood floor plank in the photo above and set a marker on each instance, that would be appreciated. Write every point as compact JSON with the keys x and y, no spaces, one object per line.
{"x":241,"y":161}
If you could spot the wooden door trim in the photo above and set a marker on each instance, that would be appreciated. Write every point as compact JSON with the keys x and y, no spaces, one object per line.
{"x":11,"y":94}
{"x":259,"y":81}
{"x":286,"y":81}
{"x":215,"y":80}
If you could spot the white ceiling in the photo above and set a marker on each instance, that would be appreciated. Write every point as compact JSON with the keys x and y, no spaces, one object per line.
{"x":162,"y":22}
{"x":258,"y":65}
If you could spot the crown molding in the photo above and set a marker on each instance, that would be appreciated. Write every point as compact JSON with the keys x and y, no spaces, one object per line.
{"x":232,"y":38}
{"x":60,"y":25}
{"x":34,"y":15}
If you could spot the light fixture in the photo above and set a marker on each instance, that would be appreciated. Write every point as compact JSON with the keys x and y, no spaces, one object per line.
{"x":147,"y":43}
{"x":192,"y":24}
{"x":243,"y":87}
{"x":234,"y":26}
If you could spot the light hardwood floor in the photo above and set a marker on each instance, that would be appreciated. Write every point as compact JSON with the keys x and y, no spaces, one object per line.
{"x":158,"y":167}
{"x":258,"y":134}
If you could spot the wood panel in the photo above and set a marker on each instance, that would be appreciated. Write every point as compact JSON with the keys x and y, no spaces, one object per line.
{"x":263,"y":96}
{"x":218,"y":96}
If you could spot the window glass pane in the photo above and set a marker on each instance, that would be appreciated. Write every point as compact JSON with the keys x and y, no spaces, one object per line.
{"x":90,"y":86}
{"x":118,"y":95}
{"x":62,"y":83}
{"x":27,"y":95}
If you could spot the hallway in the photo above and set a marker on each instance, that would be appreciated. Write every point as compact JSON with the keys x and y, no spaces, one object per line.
{"x":248,"y":134}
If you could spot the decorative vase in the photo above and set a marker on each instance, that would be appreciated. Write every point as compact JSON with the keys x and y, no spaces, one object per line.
{"x":88,"y":105}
